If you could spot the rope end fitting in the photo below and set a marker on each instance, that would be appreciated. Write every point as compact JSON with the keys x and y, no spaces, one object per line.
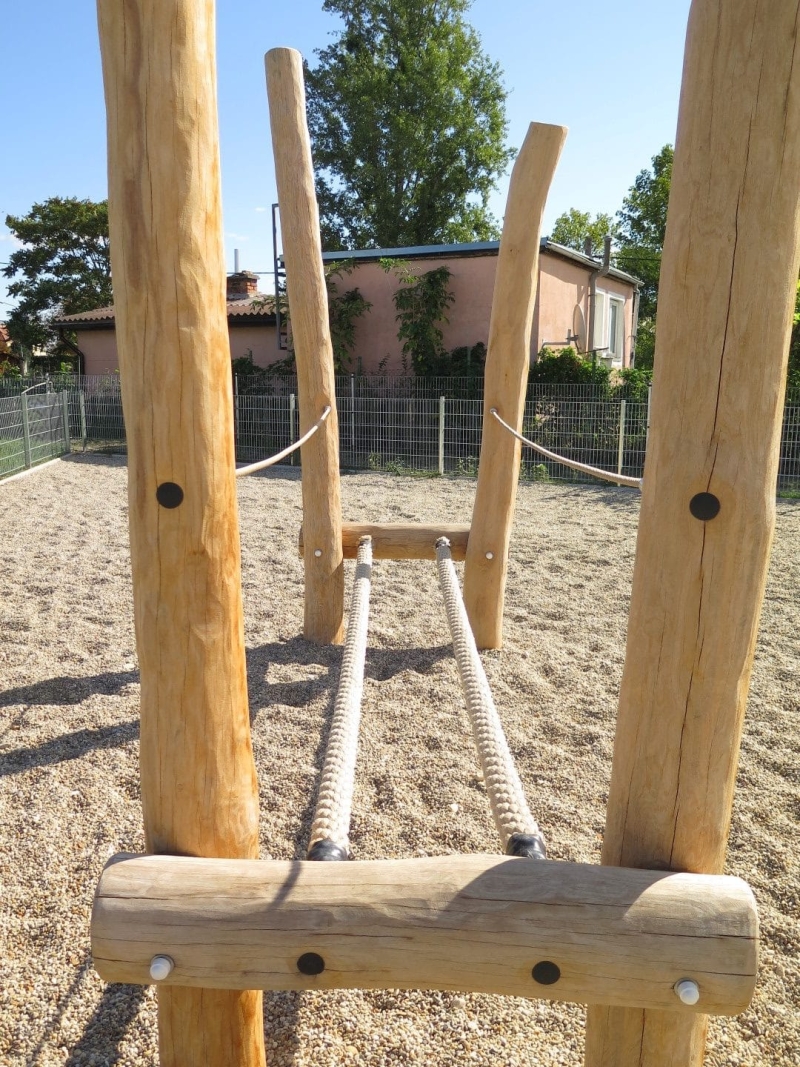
{"x":325,"y":849}
{"x":530,"y":846}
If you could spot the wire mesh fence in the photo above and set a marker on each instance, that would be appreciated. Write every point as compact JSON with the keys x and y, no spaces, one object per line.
{"x":403,"y":424}
{"x":33,"y":428}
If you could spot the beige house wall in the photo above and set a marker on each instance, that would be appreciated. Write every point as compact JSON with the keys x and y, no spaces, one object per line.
{"x":562,"y":309}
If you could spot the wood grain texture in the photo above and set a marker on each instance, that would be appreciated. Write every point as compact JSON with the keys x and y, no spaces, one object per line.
{"x":401,"y":540}
{"x":728,"y":277}
{"x":199,"y":790}
{"x":477,"y":923}
{"x":308,"y":308}
{"x":506,"y":377}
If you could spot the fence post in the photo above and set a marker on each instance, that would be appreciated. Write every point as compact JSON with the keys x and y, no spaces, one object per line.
{"x":26,"y":430}
{"x":292,"y":404}
{"x":621,"y":446}
{"x":441,"y":434}
{"x":65,"y":421}
{"x":647,"y":427}
{"x":352,"y":418}
{"x":236,"y":415}
{"x":82,"y":409}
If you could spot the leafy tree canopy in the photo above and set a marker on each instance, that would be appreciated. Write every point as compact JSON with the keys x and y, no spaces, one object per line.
{"x":573,"y":227}
{"x":62,"y":267}
{"x":408,"y":126}
{"x":642,"y":225}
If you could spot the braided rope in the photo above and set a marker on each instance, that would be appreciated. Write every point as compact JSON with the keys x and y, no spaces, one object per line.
{"x":516,"y":825}
{"x":263,"y":463}
{"x":331,"y":827}
{"x":597,"y":472}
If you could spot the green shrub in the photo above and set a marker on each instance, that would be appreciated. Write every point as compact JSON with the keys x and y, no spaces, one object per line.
{"x":566,"y":367}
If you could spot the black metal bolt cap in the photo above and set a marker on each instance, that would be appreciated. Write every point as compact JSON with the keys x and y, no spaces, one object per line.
{"x":704,"y":506}
{"x":327,"y":850}
{"x":528,"y":845}
{"x":169,"y":495}
{"x":546,"y":972}
{"x":311,"y":963}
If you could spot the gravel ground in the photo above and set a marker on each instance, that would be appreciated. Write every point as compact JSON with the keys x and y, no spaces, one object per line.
{"x":69,"y":793}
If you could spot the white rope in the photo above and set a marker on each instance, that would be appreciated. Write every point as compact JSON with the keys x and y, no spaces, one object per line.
{"x":262,"y":463}
{"x":516,"y":825}
{"x":330,"y":830}
{"x":598,"y":472}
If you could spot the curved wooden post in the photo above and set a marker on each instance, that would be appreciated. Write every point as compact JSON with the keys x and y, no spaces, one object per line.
{"x":728,"y":279}
{"x":308,"y":307}
{"x":507,"y":364}
{"x":199,"y":789}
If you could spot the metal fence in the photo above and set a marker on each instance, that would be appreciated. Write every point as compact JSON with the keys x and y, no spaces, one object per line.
{"x":34,"y":427}
{"x":404,"y":425}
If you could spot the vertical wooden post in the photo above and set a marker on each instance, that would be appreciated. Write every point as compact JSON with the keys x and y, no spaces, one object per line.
{"x":308,"y":309}
{"x":507,"y":364}
{"x":726,"y":298}
{"x":199,"y":790}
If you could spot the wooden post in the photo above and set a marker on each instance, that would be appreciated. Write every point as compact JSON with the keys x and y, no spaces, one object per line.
{"x":727,"y":291}
{"x":308,"y":308}
{"x":199,"y":790}
{"x":507,"y":364}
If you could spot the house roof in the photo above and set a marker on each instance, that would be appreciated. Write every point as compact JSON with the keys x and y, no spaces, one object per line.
{"x":258,"y":308}
{"x":474,"y":248}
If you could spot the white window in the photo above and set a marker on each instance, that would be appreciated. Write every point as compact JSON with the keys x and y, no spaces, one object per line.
{"x":609,"y":326}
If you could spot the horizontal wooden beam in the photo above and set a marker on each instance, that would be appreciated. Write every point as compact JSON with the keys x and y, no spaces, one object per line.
{"x":401,"y":540}
{"x":488,"y":924}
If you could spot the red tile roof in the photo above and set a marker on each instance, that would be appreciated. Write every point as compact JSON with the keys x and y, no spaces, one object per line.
{"x":261,"y":305}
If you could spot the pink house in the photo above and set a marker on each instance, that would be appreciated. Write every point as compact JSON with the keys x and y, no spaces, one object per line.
{"x":577,"y":296}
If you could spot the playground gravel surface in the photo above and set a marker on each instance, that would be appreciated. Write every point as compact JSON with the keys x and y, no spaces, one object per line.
{"x":69,"y":791}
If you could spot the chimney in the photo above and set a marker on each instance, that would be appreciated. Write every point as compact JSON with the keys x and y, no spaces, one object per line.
{"x":242,"y":285}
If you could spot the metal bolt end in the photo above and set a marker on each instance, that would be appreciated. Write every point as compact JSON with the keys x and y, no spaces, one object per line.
{"x":325,"y":849}
{"x":546,"y":972}
{"x":527,"y":845}
{"x":687,"y":991}
{"x":317,"y":552}
{"x":490,"y":555}
{"x":311,"y":963}
{"x":161,"y":967}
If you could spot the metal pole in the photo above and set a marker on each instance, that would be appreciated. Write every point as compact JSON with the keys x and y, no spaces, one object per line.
{"x":647,"y":428}
{"x":292,"y":406}
{"x":441,"y":434}
{"x":82,"y":408}
{"x":352,"y":418}
{"x":235,"y":414}
{"x":26,"y":431}
{"x":65,"y":421}
{"x":621,"y":447}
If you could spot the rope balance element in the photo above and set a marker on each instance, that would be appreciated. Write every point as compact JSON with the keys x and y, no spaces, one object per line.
{"x":519,"y":831}
{"x":263,"y":463}
{"x":330,"y":830}
{"x":597,"y":472}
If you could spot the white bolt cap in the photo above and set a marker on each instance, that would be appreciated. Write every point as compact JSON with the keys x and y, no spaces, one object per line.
{"x":317,"y":552}
{"x":490,"y":555}
{"x":688,"y":991}
{"x":161,"y":967}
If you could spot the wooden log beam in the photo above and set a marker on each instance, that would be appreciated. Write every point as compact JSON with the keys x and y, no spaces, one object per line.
{"x":506,"y":379}
{"x":727,"y":292}
{"x":199,"y":790}
{"x":400,"y":540}
{"x":477,"y":923}
{"x":308,"y":308}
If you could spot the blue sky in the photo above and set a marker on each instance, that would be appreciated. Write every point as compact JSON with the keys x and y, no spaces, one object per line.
{"x":610,"y":72}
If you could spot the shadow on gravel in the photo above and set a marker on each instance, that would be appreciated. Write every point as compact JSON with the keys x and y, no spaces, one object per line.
{"x":103,"y":1034}
{"x":68,"y":690}
{"x":67,"y":747}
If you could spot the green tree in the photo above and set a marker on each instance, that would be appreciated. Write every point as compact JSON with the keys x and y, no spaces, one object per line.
{"x":62,"y":267}
{"x":642,"y":224}
{"x":573,"y":227}
{"x":408,"y":126}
